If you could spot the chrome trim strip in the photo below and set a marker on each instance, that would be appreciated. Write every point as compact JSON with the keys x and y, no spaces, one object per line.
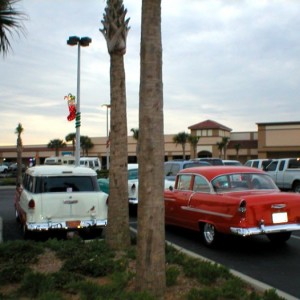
{"x":278,"y":206}
{"x":62,"y":225}
{"x":265,"y":229}
{"x":206,"y":212}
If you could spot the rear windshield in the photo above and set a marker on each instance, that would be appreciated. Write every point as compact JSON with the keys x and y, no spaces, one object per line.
{"x":58,"y":184}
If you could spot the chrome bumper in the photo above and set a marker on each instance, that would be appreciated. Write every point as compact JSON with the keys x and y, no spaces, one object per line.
{"x":63,"y":225}
{"x":133,"y":201}
{"x":264,"y":229}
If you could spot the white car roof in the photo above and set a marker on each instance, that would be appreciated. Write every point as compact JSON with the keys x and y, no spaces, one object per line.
{"x":59,"y":170}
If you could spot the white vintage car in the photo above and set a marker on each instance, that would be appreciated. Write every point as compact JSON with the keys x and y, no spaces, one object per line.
{"x":60,"y":198}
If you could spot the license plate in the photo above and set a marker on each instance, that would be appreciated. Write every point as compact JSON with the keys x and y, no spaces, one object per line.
{"x":73,"y":224}
{"x":280,"y":217}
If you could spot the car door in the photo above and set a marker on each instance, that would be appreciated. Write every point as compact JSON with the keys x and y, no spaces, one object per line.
{"x":174,"y":205}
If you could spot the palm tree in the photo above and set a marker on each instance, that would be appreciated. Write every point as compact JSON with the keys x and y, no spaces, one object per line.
{"x":10,"y":20}
{"x":86,"y":144}
{"x":181,"y":138}
{"x":115,"y":30}
{"x":220,"y":148}
{"x":193,"y":140}
{"x":19,"y":130}
{"x":71,"y":137}
{"x":237,"y":148}
{"x":135,"y":135}
{"x":56,"y":144}
{"x":150,"y":267}
{"x":225,"y":141}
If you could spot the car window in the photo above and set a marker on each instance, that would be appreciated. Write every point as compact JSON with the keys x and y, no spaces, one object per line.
{"x":201,"y":185}
{"x":272,"y":166}
{"x":255,"y":164}
{"x":184,"y":182}
{"x":248,"y":163}
{"x":69,"y":184}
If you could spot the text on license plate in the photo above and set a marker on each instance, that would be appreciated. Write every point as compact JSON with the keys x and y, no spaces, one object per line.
{"x":280,"y":217}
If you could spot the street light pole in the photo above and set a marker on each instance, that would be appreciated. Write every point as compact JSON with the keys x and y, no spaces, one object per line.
{"x":84,"y":42}
{"x":107,"y":135}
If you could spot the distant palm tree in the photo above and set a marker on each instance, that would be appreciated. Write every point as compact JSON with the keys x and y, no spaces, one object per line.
{"x":225,"y":141}
{"x":10,"y":20}
{"x":19,"y":130}
{"x":220,"y":148}
{"x":56,"y":144}
{"x":181,"y":138}
{"x":237,"y":148}
{"x":86,"y":144}
{"x":115,"y":30}
{"x":193,"y":140}
{"x":71,"y":137}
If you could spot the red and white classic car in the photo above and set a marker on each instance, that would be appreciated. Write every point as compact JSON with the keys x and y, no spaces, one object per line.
{"x":231,"y":200}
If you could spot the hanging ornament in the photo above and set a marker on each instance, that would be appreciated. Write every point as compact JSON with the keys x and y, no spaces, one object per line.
{"x":72,"y":107}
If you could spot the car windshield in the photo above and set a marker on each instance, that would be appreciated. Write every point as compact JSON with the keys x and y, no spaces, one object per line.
{"x":243,"y":181}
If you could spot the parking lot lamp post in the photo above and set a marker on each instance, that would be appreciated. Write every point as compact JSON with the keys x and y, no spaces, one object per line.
{"x":107,"y":135}
{"x":84,"y":42}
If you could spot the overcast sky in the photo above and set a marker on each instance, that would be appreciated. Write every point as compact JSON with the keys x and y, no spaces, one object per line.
{"x":232,"y":61}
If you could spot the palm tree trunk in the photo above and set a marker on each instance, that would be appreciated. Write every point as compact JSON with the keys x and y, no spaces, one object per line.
{"x":118,"y":234}
{"x":151,"y":230}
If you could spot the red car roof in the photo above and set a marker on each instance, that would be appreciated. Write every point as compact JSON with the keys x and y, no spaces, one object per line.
{"x":213,"y":171}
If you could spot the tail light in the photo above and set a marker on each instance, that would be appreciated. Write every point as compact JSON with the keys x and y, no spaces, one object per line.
{"x":133,"y":188}
{"x":242,"y":207}
{"x":31,"y":204}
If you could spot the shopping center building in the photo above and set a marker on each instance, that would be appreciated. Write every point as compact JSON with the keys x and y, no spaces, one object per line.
{"x":271,"y":140}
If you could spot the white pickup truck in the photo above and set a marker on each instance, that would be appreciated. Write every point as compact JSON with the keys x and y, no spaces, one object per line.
{"x":286,"y":173}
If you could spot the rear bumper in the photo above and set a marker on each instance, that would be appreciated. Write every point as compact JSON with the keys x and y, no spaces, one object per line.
{"x":64,"y":226}
{"x":265,"y":229}
{"x":133,"y":201}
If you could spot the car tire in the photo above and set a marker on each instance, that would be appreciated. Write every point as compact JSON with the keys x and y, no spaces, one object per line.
{"x":279,"y":238}
{"x":210,"y":235}
{"x":296,"y":187}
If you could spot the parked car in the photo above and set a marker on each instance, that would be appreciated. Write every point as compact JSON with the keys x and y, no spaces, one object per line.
{"x":13,"y":168}
{"x":3,"y":168}
{"x":260,"y":163}
{"x":212,"y":160}
{"x":286,"y":173}
{"x":60,"y":198}
{"x":228,"y":162}
{"x":133,"y":183}
{"x":233,"y":200}
{"x":172,"y":167}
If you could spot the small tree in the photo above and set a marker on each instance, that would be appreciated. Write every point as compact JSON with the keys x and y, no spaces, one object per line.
{"x":220,"y":146}
{"x":19,"y":131}
{"x":181,"y":138}
{"x":56,"y":144}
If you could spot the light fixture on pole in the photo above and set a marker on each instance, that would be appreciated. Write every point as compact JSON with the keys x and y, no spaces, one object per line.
{"x":107,"y":135}
{"x":84,"y":42}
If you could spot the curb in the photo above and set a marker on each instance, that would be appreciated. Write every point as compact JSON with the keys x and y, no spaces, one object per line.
{"x":258,"y":285}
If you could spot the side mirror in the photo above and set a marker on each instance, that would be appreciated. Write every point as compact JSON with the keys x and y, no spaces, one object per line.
{"x":171,"y":188}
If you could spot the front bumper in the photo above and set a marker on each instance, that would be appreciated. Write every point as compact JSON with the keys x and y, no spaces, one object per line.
{"x":66,"y":225}
{"x":262,"y":229}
